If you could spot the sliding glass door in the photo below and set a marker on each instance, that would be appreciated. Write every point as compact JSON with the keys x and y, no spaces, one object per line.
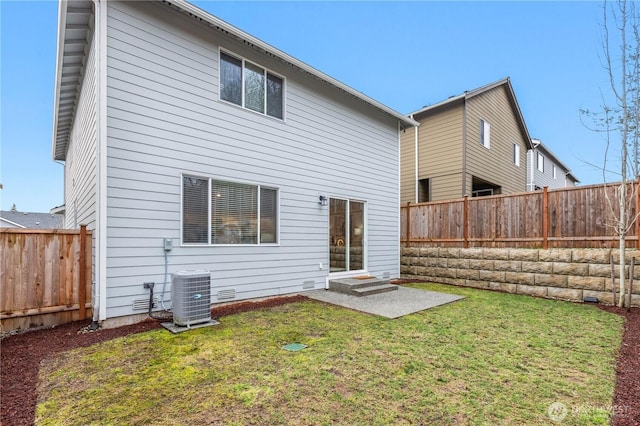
{"x":346,"y":235}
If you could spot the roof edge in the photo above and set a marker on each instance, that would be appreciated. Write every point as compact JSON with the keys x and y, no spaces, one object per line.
{"x":213,"y":20}
{"x":62,"y":19}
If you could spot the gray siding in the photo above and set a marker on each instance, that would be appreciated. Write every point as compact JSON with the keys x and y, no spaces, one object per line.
{"x":165,"y":119}
{"x":80,"y":165}
{"x":545,"y":178}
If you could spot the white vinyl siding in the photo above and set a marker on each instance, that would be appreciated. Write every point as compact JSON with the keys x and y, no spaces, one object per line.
{"x":165,"y":121}
{"x":548,"y":176}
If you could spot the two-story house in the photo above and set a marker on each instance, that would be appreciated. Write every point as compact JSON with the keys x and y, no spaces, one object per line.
{"x":191,"y":145}
{"x":545,"y":169}
{"x":472,"y":144}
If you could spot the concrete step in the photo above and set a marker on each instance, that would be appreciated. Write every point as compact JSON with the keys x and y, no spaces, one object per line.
{"x":361,"y":287}
{"x":367,"y":291}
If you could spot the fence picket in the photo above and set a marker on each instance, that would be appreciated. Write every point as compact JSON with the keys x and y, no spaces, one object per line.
{"x":40,"y":277}
{"x":580,"y":217}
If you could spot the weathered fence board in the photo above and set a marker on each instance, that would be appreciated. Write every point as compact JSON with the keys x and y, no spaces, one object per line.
{"x":45,"y":277}
{"x":581,"y":217}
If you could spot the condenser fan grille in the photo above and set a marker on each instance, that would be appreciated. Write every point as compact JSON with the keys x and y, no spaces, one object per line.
{"x":191,"y":297}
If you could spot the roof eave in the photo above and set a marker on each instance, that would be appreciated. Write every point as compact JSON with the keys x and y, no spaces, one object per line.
{"x":62,"y":17}
{"x":234,"y":31}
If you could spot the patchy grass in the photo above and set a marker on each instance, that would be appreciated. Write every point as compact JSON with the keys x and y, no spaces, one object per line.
{"x":491,"y":358}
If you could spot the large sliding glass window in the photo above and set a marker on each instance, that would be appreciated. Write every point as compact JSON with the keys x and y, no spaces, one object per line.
{"x":251,"y":86}
{"x":346,"y":235}
{"x":219,"y":212}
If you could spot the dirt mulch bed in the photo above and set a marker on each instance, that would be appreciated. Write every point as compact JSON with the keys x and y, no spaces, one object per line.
{"x":21,"y":355}
{"x":626,"y":400}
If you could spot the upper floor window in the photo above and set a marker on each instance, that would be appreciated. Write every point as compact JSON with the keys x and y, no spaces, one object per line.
{"x":540,"y":163}
{"x":516,"y":154}
{"x":485,"y":134}
{"x":553,"y":169}
{"x":251,"y":86}
{"x":220,"y":212}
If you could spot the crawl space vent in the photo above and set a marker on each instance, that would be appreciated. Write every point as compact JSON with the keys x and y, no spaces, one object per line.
{"x":308,"y":284}
{"x":227,"y":294}
{"x":143,"y":304}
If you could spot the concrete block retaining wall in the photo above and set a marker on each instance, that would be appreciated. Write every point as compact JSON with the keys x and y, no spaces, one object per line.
{"x":566,"y":274}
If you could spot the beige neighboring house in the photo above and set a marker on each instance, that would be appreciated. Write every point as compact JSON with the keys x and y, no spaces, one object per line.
{"x":473,"y":144}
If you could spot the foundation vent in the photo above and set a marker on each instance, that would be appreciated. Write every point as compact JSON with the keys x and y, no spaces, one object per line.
{"x":308,"y":284}
{"x":227,"y":294}
{"x":143,"y":304}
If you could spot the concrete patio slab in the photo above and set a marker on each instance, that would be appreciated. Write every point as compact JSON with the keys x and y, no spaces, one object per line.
{"x":393,"y":304}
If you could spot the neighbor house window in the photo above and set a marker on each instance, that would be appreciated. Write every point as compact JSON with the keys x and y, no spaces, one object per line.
{"x":485,"y":134}
{"x":516,"y":154}
{"x":251,"y":86}
{"x":221,"y":212}
{"x":554,"y":171}
{"x":540,"y":163}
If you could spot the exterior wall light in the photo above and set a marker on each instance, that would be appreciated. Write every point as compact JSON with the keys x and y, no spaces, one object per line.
{"x":322,"y":200}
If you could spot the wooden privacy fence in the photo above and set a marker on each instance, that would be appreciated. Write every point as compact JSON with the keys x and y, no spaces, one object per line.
{"x":580,"y":217}
{"x":45,"y":277}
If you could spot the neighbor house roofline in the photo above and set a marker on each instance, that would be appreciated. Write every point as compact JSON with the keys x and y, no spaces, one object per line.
{"x":471,"y":93}
{"x":2,"y":219}
{"x":62,"y":123}
{"x":542,"y":147}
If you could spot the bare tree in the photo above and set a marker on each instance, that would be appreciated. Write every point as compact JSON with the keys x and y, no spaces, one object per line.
{"x":618,"y":118}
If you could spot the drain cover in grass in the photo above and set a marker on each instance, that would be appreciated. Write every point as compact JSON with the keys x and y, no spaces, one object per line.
{"x":294,"y":347}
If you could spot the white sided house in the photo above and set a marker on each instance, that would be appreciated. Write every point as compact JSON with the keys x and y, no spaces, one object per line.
{"x":191,"y":145}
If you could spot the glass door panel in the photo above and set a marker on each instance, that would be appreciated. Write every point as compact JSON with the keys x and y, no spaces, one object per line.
{"x":337,"y":235}
{"x":346,"y":235}
{"x":356,"y":235}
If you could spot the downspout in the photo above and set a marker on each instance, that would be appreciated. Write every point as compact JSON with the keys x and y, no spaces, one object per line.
{"x":464,"y":147}
{"x":415,"y":150}
{"x":399,"y":227}
{"x":101,"y":160}
{"x":530,"y":174}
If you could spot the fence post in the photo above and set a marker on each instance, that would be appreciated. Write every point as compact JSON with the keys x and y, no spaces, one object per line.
{"x":637,"y":219}
{"x":545,"y":218}
{"x":82,"y":284}
{"x":465,"y":220}
{"x":408,"y":231}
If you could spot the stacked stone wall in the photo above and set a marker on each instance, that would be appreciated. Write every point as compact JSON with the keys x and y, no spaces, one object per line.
{"x":566,"y":274}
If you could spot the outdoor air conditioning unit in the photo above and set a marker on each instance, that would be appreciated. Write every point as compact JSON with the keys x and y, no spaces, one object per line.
{"x":191,"y":297}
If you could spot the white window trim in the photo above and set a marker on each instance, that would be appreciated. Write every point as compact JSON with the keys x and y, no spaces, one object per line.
{"x":209,"y":244}
{"x":485,"y":133}
{"x":267,"y":70}
{"x":540,"y":162}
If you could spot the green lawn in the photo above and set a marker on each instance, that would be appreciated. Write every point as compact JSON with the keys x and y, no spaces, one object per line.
{"x":491,"y":358}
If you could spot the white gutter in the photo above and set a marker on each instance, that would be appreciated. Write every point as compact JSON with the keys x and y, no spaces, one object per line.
{"x":62,"y":25}
{"x":207,"y":17}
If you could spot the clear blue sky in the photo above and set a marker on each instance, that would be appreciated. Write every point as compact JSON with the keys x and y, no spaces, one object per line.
{"x":403,"y":54}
